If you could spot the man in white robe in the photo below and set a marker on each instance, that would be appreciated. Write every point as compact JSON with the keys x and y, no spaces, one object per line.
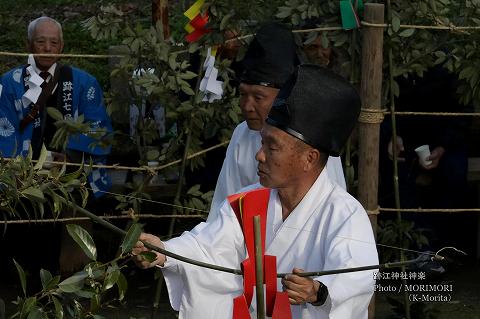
{"x":270,"y":59}
{"x":312,"y":223}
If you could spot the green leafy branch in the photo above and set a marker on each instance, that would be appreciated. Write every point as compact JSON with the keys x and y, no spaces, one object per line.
{"x":68,"y":126}
{"x":28,"y":186}
{"x":63,"y":299}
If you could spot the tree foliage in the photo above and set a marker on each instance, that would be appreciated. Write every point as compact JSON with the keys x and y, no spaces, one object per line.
{"x":84,"y":294}
{"x":26,"y":187}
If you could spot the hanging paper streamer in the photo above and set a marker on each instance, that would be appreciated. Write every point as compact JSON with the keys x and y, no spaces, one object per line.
{"x":196,"y":28}
{"x":350,"y":16}
{"x":211,"y":87}
{"x":138,"y":110}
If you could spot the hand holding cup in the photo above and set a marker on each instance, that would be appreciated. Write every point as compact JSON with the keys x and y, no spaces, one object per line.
{"x":423,"y":153}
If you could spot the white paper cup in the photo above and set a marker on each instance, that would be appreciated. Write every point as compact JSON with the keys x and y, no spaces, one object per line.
{"x":423,"y":152}
{"x":152,"y":163}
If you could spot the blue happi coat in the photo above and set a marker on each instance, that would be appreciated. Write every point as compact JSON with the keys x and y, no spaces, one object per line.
{"x":86,"y":99}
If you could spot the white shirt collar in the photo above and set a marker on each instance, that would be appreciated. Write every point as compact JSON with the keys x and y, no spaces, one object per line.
{"x":32,"y":62}
{"x":34,"y":82}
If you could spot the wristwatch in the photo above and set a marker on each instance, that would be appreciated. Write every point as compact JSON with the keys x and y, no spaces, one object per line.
{"x":322,"y":295}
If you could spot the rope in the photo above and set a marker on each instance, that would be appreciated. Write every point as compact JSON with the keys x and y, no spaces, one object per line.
{"x":431,"y":210}
{"x":150,"y":200}
{"x":62,"y":55}
{"x":424,"y":27}
{"x":375,"y":211}
{"x":375,"y":116}
{"x":108,"y":217}
{"x":319,"y":29}
{"x":246,"y":36}
{"x":150,"y":169}
{"x":371,"y":116}
{"x":435,"y":113}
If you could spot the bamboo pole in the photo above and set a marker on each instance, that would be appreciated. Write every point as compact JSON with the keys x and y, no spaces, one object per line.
{"x":259,"y":267}
{"x":369,"y":133}
{"x":406,"y":301}
{"x":371,"y":93}
{"x":349,"y":172}
{"x":160,"y":13}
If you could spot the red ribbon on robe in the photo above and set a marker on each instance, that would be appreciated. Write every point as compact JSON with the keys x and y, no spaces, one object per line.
{"x":246,"y":206}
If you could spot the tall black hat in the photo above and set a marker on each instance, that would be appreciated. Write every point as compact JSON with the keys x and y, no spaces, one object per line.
{"x":271,"y":57}
{"x":317,"y":106}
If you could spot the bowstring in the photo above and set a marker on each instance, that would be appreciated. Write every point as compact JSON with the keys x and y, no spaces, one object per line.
{"x":150,"y":201}
{"x":392,"y":247}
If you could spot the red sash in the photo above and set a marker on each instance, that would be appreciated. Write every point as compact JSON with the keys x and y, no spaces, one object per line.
{"x":246,"y":206}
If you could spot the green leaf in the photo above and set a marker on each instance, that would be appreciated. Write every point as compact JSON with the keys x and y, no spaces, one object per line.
{"x":466,"y":73}
{"x":52,"y":283}
{"x":149,"y":256}
{"x":41,"y":158}
{"x":35,"y":313}
{"x":225,"y":19}
{"x":172,"y":61}
{"x":111,"y":279}
{"x":85,"y":294}
{"x":406,"y":33}
{"x":83,"y":239}
{"x":194,"y":190}
{"x":187,"y":90}
{"x":395,"y":24}
{"x":21,"y":274}
{"x":193,"y":47}
{"x":423,"y":7}
{"x":283,"y":12}
{"x":131,"y":238}
{"x":233,"y":116}
{"x":54,"y":113}
{"x":73,"y":283}
{"x":122,"y":286}
{"x":152,"y":155}
{"x":33,"y":193}
{"x":197,"y":203}
{"x":95,"y":302}
{"x":45,"y":278}
{"x":27,"y":306}
{"x":395,"y":88}
{"x":188,"y":75}
{"x":58,"y":308}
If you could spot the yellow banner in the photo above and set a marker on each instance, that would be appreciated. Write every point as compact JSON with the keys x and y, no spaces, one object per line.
{"x":194,"y":10}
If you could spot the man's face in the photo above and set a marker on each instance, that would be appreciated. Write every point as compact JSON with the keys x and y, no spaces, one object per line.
{"x":46,"y":39}
{"x":317,"y":54}
{"x":255,"y":102}
{"x":280,"y":160}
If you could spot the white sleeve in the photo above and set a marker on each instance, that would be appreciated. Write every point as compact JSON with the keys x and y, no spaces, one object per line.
{"x":351,"y":246}
{"x":218,"y":242}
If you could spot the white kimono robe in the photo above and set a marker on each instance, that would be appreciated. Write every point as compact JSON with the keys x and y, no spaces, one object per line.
{"x":239,"y":168}
{"x":328,"y":229}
